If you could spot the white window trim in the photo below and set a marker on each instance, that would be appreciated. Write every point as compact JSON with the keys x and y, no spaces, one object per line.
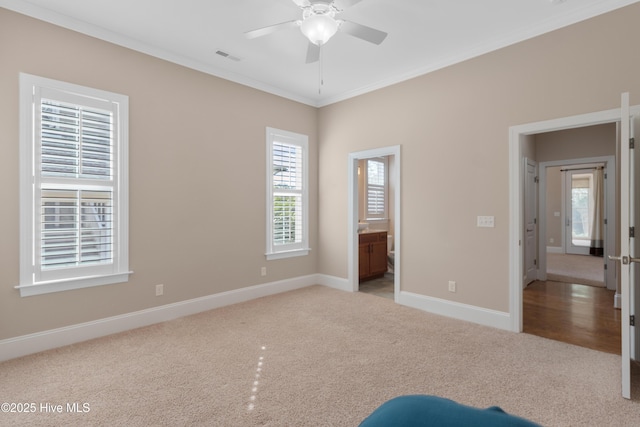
{"x":120,"y":272}
{"x":302,"y":248}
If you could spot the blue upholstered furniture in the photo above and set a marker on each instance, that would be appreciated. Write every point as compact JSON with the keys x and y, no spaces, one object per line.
{"x":422,"y":410}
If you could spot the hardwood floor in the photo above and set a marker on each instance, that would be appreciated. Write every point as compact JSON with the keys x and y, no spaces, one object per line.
{"x":576,"y":314}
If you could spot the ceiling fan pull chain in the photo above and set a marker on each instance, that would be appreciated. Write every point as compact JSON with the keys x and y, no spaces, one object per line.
{"x":320,"y":73}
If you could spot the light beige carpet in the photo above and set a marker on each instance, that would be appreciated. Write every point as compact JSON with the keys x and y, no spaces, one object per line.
{"x":329,"y":359}
{"x":580,"y":269}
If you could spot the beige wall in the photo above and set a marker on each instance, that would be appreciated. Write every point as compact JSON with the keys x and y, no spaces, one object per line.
{"x":453,"y":127}
{"x":590,"y":141}
{"x":197,"y":172}
{"x":208,"y":237}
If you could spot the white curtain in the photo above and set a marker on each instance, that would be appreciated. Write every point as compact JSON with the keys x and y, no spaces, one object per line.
{"x":597,"y":226}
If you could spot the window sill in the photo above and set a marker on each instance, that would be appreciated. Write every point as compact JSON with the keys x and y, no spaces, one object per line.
{"x":287,"y":254}
{"x":70,"y":284}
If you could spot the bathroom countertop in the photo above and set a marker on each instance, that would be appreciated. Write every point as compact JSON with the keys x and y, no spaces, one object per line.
{"x":367,"y":230}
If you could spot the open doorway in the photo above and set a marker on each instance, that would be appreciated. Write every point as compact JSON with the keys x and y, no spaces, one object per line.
{"x":578,"y":216}
{"x":374,"y":221}
{"x":626,"y":158}
{"x":376,"y":257}
{"x":577,"y":169}
{"x":569,"y":205}
{"x":577,"y":227}
{"x":526,"y":142}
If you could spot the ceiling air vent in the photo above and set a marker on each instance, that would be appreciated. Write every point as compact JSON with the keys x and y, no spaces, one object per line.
{"x":227,"y":55}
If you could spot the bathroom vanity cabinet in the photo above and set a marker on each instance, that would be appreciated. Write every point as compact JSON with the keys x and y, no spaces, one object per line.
{"x":372,"y":254}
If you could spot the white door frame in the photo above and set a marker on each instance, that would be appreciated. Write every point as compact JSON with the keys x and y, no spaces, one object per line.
{"x":610,"y":196}
{"x":352,"y":221}
{"x":531,"y":202}
{"x":517,"y":135}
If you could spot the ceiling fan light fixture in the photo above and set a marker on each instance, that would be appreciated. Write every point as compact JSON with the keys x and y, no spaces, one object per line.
{"x":319,"y":28}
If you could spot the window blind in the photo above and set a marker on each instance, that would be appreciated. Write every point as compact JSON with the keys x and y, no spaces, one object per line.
{"x":76,"y":224}
{"x":287,"y":194}
{"x":76,"y":228}
{"x":376,"y":189}
{"x":76,"y":141}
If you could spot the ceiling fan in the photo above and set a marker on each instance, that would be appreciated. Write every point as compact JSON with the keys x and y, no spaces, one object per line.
{"x":319,"y":24}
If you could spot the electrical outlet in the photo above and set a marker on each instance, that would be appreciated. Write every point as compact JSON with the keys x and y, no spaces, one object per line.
{"x":263,"y":271}
{"x":159,"y":290}
{"x":452,"y":286}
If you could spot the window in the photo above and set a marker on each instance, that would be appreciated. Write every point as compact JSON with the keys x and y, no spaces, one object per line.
{"x":73,"y":186}
{"x":287,"y":197}
{"x":582,"y":207}
{"x":376,"y":188}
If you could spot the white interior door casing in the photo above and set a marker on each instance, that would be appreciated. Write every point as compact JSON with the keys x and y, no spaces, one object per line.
{"x":530,"y":222}
{"x":353,"y":207}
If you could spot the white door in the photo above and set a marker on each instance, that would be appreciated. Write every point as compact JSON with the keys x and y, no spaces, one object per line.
{"x":627,"y":242}
{"x":530,"y":223}
{"x":634,"y":276}
{"x":579,"y":207}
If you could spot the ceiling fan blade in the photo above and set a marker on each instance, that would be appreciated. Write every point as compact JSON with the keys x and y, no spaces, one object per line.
{"x":363,"y":32}
{"x":313,"y":53}
{"x":343,"y":4}
{"x":270,"y":29}
{"x":301,"y":3}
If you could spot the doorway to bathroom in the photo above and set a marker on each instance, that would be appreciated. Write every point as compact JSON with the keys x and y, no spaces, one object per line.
{"x":374,"y":221}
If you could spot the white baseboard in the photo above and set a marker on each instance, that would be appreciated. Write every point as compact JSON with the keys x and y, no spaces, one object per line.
{"x":46,"y":340}
{"x":334,"y":282}
{"x":617,"y":300}
{"x":470,"y":313}
{"x":555,"y":249}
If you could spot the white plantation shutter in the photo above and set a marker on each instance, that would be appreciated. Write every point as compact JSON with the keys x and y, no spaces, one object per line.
{"x":76,"y":141}
{"x":287,"y":194}
{"x":287,"y":227}
{"x":376,"y":189}
{"x":76,"y":224}
{"x":76,"y":228}
{"x":76,"y":185}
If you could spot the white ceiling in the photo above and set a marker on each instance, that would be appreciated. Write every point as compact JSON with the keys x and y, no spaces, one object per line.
{"x":424,"y":35}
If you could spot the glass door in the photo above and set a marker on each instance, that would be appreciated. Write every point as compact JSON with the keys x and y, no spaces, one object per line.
{"x":580,"y":205}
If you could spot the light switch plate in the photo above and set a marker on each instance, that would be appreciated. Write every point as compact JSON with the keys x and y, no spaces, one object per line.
{"x":486,"y":221}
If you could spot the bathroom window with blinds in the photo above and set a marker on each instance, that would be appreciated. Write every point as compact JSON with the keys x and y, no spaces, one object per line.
{"x":376,"y":188}
{"x":73,"y":186}
{"x":287,"y":194}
